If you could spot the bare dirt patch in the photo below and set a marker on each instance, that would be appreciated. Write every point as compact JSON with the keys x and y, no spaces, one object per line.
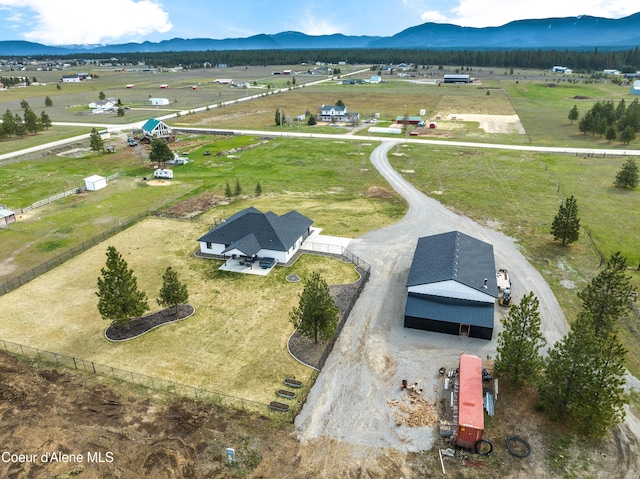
{"x":158,"y":182}
{"x":193,"y":206}
{"x":378,"y":192}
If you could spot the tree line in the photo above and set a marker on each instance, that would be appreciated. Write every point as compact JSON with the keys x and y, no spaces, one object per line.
{"x":580,"y":61}
{"x":14,"y":125}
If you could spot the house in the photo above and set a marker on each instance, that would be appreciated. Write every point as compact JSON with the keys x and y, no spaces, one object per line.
{"x":157,"y":129}
{"x":635,"y":89}
{"x":250,"y":234}
{"x":130,"y":86}
{"x":470,"y":424}
{"x":6,"y":216}
{"x":164,"y":86}
{"x":375,"y":79}
{"x":337,"y":114}
{"x":102,"y":105}
{"x":451,"y":78}
{"x":71,"y":78}
{"x":452,"y":286}
{"x":558,"y":69}
{"x":159,"y":101}
{"x":95,"y":183}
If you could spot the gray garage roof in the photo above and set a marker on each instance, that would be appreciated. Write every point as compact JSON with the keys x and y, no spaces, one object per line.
{"x":269,"y":231}
{"x":454,"y":256}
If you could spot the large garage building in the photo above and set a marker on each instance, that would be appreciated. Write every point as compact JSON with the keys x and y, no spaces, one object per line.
{"x":452,"y":286}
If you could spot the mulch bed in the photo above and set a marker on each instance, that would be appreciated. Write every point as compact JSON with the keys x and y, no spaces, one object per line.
{"x":138,"y":326}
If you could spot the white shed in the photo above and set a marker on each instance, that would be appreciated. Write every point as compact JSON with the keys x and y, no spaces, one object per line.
{"x":95,"y":182}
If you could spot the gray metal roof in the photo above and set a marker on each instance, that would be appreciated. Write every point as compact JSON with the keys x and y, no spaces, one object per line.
{"x":273,"y":232}
{"x":450,"y":310}
{"x":454,"y":256}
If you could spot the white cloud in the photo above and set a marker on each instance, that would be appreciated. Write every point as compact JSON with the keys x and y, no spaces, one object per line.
{"x":434,"y":16}
{"x":482,"y":13}
{"x":62,"y":22}
{"x":311,"y":25}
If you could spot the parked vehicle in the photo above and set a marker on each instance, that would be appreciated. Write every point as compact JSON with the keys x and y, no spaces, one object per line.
{"x":163,"y":174}
{"x":132,"y":141}
{"x":504,"y":287}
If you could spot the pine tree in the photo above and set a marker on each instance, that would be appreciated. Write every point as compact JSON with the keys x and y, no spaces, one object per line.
{"x":96,"y":143}
{"x":628,"y":135}
{"x":172,"y":292}
{"x":238,"y":189}
{"x":566,"y":224}
{"x":31,"y":121}
{"x":606,"y":298}
{"x":18,"y":126}
{"x":45,"y":121}
{"x":48,"y":101}
{"x":227,"y":191}
{"x":258,"y":191}
{"x":119,"y":297}
{"x":316,"y":316}
{"x":160,"y":152}
{"x":101,"y":95}
{"x":627,"y":177}
{"x":573,"y":114}
{"x":611,"y":133}
{"x":519,"y":343}
{"x":8,"y":123}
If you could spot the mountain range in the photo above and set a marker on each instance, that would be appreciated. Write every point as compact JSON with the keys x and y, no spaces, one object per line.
{"x":583,"y":32}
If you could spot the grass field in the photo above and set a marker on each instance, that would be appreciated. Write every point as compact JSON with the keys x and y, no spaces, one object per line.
{"x":235,"y":343}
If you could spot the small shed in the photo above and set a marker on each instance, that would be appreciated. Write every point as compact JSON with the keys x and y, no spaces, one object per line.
{"x":164,"y":86}
{"x":95,"y":182}
{"x":470,"y":428}
{"x":6,"y":216}
{"x":635,"y":89}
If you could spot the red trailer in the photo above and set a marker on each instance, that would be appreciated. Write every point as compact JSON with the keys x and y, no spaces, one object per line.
{"x":470,"y":406}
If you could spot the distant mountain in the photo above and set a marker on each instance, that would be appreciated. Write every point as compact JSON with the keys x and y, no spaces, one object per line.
{"x":561,"y":33}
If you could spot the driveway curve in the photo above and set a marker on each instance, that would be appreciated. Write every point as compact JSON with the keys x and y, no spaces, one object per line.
{"x":349,"y":401}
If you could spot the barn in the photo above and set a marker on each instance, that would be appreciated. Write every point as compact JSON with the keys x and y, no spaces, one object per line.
{"x":159,"y":101}
{"x":95,"y":182}
{"x":470,"y":422}
{"x":457,"y":78}
{"x":452,"y":286}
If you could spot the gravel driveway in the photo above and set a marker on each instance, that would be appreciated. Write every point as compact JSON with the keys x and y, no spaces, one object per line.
{"x":349,"y":401}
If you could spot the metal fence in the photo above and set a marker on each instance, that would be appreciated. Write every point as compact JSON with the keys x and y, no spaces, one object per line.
{"x":17,"y":281}
{"x":141,"y":380}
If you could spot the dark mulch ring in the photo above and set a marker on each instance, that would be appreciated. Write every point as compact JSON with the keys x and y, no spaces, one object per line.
{"x":138,"y":326}
{"x":304,"y":349}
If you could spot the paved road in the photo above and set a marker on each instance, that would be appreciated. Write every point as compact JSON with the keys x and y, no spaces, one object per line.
{"x":375,"y":352}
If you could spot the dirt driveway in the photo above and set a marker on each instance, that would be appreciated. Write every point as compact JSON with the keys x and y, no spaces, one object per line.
{"x":349,"y":403}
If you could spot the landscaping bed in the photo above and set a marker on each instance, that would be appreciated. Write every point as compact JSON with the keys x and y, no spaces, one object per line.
{"x":138,"y":326}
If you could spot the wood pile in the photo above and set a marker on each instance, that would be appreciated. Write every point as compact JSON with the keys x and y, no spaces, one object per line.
{"x":414,"y":411}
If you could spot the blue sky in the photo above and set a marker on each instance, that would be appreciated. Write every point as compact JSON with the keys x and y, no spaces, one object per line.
{"x":63,"y":22}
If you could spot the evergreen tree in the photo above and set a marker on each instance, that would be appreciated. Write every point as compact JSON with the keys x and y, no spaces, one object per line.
{"x":45,"y":121}
{"x":566,"y":224}
{"x":627,"y":177}
{"x":316,"y":316}
{"x":279,"y":117}
{"x":258,"y":191}
{"x":611,"y":133}
{"x":30,"y":121}
{"x":24,"y":104}
{"x":172,"y":292}
{"x":18,"y":126}
{"x":312,"y":120}
{"x":101,"y":95}
{"x":160,"y":152}
{"x":339,"y":103}
{"x":119,"y":297}
{"x":227,"y":191}
{"x":519,"y":343}
{"x":628,"y":135}
{"x":48,"y":101}
{"x":573,"y":114}
{"x":8,"y":123}
{"x":238,"y":189}
{"x":96,"y":143}
{"x":606,"y":298}
{"x":120,"y":111}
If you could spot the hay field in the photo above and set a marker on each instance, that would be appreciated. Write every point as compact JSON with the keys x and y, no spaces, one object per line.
{"x":235,"y":343}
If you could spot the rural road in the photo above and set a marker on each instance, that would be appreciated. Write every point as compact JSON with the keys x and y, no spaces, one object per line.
{"x":349,"y":401}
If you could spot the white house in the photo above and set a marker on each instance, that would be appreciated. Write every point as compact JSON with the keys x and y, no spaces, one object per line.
{"x":71,"y":78}
{"x":95,"y":182}
{"x":102,"y":104}
{"x":6,"y":216}
{"x":254,"y":235}
{"x":159,"y":101}
{"x":157,"y":128}
{"x":337,"y":114}
{"x":635,"y":89}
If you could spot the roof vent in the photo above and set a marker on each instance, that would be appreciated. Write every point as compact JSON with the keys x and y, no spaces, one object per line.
{"x":485,"y":283}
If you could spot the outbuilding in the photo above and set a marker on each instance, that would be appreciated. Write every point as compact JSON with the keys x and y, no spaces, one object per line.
{"x":6,"y":216}
{"x":470,"y":423}
{"x":159,"y":101}
{"x":635,"y":89}
{"x":452,"y":286}
{"x":95,"y":183}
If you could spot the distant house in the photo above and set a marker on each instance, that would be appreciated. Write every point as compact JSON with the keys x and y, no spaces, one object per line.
{"x":337,"y":114}
{"x":157,"y":129}
{"x":411,"y":120}
{"x":452,"y":286}
{"x":451,"y":78}
{"x":6,"y":216}
{"x":375,"y":79}
{"x":611,"y":72}
{"x":130,"y":86}
{"x":223,"y":81}
{"x":635,"y":89}
{"x":559,"y":69}
{"x":252,"y":234}
{"x":71,"y":78}
{"x":102,"y":105}
{"x":164,"y":86}
{"x":159,"y":101}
